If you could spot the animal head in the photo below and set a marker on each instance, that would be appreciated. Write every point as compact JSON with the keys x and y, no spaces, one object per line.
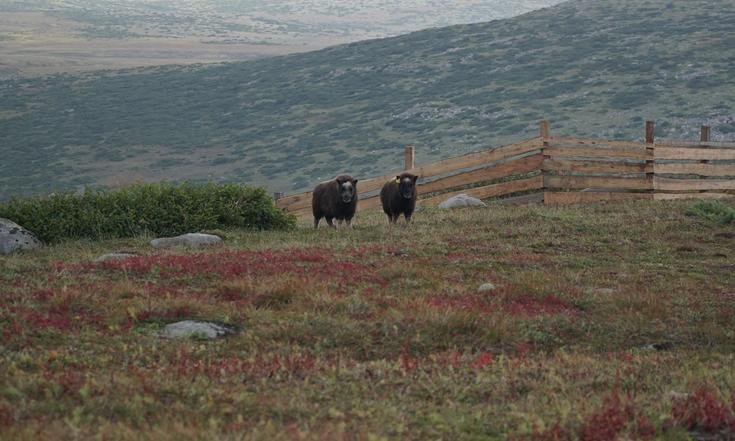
{"x":347,"y":188}
{"x":406,"y":185}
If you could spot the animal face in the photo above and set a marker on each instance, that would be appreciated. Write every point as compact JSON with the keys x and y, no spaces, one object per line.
{"x":406,"y":185}
{"x":347,"y":189}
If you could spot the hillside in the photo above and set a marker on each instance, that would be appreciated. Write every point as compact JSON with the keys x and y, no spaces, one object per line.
{"x":39,"y":37}
{"x":608,"y":321}
{"x":593,"y":68}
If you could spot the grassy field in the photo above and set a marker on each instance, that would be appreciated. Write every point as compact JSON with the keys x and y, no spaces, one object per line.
{"x":610,"y":321}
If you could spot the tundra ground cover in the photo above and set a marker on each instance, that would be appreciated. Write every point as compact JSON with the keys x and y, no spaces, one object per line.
{"x":609,"y":321}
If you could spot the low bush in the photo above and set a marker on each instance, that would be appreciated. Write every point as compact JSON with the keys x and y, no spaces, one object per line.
{"x":158,"y":209}
{"x":716,"y":211}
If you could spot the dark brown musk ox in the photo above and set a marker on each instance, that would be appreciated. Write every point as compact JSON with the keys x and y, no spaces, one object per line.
{"x":398,"y":196}
{"x":335,"y":199}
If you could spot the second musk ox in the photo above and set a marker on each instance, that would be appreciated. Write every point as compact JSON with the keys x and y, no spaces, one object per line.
{"x":335,"y":199}
{"x":398,"y":196}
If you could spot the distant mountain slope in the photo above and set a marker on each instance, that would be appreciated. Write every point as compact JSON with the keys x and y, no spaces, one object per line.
{"x":593,"y":68}
{"x":39,"y":37}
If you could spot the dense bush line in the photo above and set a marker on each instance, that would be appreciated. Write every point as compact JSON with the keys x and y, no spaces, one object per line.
{"x":157,"y":209}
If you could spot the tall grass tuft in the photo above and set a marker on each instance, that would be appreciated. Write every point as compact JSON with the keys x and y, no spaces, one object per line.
{"x":158,"y":209}
{"x":715,"y":211}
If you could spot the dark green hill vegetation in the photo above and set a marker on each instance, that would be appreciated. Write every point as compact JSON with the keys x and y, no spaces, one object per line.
{"x":593,"y":68}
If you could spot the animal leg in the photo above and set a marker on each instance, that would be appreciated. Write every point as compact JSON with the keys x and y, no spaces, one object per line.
{"x":316,"y":221}
{"x":349,"y":223}
{"x":330,"y":223}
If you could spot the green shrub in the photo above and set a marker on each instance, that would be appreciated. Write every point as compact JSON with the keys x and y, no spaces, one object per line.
{"x":159,"y":209}
{"x":716,"y":211}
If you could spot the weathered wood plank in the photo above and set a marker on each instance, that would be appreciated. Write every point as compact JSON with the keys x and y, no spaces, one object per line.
{"x":517,"y":166}
{"x":668,"y":184}
{"x":302,"y":213}
{"x":368,"y":203}
{"x":570,"y":165}
{"x":693,"y":153}
{"x":489,"y":191}
{"x":581,"y":182}
{"x":456,"y":163}
{"x":598,"y":152}
{"x":532,"y":198}
{"x":697,"y":169}
{"x":302,"y":201}
{"x":675,"y":196}
{"x":565,"y":141}
{"x":295,"y":202}
{"x":575,"y":197}
{"x":685,"y":143}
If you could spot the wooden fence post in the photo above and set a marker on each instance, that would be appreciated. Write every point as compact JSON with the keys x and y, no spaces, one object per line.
{"x":650,"y":132}
{"x":544,"y":131}
{"x":408,"y":158}
{"x":651,"y":150}
{"x":704,"y":134}
{"x":704,"y":138}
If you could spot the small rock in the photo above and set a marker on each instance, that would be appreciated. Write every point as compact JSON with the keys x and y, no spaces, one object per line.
{"x":190,"y":328}
{"x":486,"y":287}
{"x":114,"y":257}
{"x":189,"y":240}
{"x":13,"y":237}
{"x":600,"y":291}
{"x":678,"y":395}
{"x":659,"y":346}
{"x":461,"y":200}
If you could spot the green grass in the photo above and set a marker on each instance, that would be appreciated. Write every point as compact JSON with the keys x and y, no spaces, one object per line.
{"x":379,"y":333}
{"x":715,"y":211}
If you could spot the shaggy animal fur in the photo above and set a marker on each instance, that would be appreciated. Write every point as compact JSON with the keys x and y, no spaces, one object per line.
{"x":398,"y":196}
{"x":335,"y":199}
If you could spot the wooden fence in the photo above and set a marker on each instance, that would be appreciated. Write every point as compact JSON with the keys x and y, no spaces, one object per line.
{"x":563,"y":170}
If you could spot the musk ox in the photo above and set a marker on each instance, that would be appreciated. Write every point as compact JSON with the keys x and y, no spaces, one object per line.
{"x":398,"y":196}
{"x":335,"y":199}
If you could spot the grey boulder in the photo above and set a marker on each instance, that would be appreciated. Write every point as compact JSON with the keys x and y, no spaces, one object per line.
{"x":191,"y":328}
{"x":485,"y":287}
{"x":461,"y":200}
{"x":13,"y":237}
{"x":111,"y":257}
{"x":187,"y":240}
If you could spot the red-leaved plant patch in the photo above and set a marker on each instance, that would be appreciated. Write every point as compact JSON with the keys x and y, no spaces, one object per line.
{"x":314,"y":263}
{"x":703,"y":411}
{"x":7,"y":415}
{"x":612,"y":418}
{"x":524,"y":305}
{"x":255,"y":367}
{"x":60,"y":317}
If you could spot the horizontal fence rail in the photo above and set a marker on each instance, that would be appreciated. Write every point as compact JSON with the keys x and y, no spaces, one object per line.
{"x":565,"y":170}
